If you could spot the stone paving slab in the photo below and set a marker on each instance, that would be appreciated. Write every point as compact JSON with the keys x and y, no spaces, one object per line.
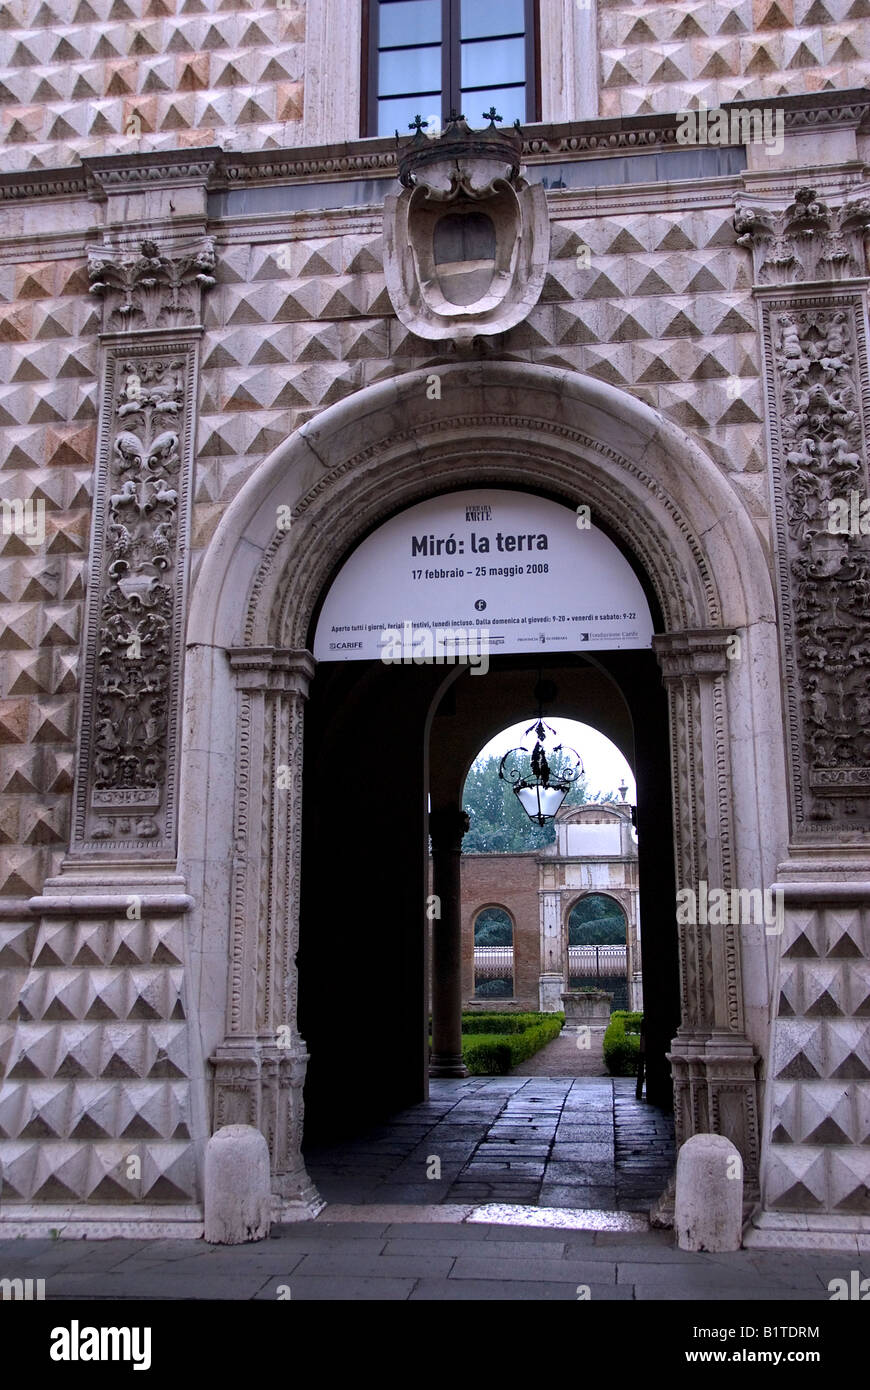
{"x":436,"y":1259}
{"x":533,"y":1140}
{"x":534,"y":1270}
{"x":332,"y":1289}
{"x":602,"y":1198}
{"x":492,"y":1291}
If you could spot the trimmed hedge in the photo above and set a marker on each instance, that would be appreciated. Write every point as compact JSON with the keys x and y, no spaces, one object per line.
{"x":505,"y":1023}
{"x":494,"y":1054}
{"x":622,"y":1042}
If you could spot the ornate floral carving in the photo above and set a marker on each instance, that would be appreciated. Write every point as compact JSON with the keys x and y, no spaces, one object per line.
{"x":125,"y":792}
{"x":808,"y":240}
{"x":153,"y":288}
{"x":820,"y":444}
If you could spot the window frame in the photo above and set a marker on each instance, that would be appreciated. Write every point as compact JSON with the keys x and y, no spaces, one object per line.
{"x":451,"y":66}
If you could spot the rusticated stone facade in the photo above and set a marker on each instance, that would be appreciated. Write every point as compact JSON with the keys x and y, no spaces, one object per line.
{"x":198,"y":338}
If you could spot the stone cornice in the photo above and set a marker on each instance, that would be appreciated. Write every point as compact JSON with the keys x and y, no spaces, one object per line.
{"x":131,"y":173}
{"x":97,"y":176}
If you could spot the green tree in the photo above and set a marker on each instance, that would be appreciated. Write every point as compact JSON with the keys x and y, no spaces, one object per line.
{"x":499,"y":825}
{"x":492,"y":927}
{"x":596,"y":921}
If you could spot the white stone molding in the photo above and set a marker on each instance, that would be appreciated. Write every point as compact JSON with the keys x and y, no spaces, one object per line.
{"x":333,"y":72}
{"x":569,"y":60}
{"x":713,"y":1062}
{"x":259,"y":1069}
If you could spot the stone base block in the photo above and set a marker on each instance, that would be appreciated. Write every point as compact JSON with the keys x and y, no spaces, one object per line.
{"x":39,"y":1221}
{"x":238,"y":1200}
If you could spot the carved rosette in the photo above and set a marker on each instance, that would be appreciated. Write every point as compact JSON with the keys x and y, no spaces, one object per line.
{"x":127,"y":774}
{"x":816,"y":353}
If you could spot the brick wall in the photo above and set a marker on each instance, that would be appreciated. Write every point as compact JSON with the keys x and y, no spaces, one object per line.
{"x":509,"y":881}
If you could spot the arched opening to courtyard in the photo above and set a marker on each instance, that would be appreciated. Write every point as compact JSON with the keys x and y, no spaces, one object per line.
{"x":401,"y":737}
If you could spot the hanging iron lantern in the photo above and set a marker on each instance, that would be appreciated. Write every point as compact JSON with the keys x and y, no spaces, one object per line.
{"x":539,"y":788}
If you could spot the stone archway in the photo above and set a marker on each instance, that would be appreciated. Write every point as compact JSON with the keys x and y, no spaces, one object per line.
{"x":248,"y":669}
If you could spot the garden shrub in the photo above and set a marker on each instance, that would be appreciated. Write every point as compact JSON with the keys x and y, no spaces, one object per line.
{"x":494,"y":1054}
{"x":505,"y":1023}
{"x":622,"y":1042}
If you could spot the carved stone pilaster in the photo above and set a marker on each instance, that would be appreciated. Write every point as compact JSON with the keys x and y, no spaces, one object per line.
{"x":713,"y":1062}
{"x":818,"y":402}
{"x":127,"y":772}
{"x":817,"y":387}
{"x":259,"y":1069}
{"x":126,"y":785}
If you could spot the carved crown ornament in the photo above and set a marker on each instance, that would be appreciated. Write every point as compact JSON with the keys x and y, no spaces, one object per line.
{"x":153,"y":287}
{"x":467,"y":240}
{"x":807,"y":241}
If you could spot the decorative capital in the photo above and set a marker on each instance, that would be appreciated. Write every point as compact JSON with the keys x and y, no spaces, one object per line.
{"x":447,"y":827}
{"x":806,"y":241}
{"x":153,"y":286}
{"x":274,"y":669}
{"x":697,"y":652}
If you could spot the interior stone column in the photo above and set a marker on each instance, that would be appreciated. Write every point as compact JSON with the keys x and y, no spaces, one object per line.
{"x":259,"y":1070}
{"x":553,"y":978}
{"x":447,"y":827}
{"x":713,"y":1062}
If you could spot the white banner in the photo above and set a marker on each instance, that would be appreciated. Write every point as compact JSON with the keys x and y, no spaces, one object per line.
{"x":522,"y":572}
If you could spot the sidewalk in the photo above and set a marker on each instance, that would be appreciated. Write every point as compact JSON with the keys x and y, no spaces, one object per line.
{"x":419,"y":1260}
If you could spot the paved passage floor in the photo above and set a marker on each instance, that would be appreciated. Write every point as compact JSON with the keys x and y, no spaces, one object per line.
{"x":581,"y":1142}
{"x":562,"y":1056}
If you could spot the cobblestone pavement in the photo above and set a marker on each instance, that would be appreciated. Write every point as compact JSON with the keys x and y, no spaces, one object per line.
{"x":546,"y":1141}
{"x":384,"y":1260}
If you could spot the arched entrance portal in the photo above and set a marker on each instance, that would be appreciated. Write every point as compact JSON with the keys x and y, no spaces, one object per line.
{"x":506,"y":425}
{"x":363,"y":992}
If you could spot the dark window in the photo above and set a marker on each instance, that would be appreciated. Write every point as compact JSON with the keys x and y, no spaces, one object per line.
{"x":428,"y":57}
